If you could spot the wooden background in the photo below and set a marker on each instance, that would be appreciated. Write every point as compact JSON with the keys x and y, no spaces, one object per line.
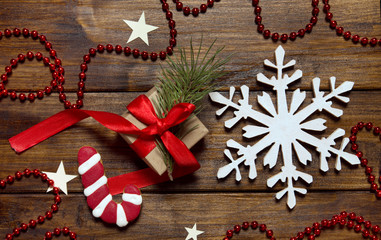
{"x":113,"y":81}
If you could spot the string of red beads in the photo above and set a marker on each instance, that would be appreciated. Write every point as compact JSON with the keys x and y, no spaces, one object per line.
{"x":195,"y":11}
{"x":364,"y":162}
{"x":40,"y":219}
{"x":57,"y":232}
{"x":55,"y":67}
{"x":284,"y":37}
{"x":346,"y":35}
{"x":350,"y":220}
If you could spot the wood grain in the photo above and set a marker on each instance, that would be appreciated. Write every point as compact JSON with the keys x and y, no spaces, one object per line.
{"x":74,"y":26}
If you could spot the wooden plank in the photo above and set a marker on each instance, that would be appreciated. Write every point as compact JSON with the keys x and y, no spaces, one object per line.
{"x":74,"y":27}
{"x":118,"y":158}
{"x":164,"y":216}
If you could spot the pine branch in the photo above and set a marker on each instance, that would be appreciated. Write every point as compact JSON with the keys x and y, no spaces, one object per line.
{"x":187,"y":81}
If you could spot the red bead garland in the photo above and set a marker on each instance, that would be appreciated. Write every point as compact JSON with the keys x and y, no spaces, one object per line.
{"x":284,"y":37}
{"x":347,"y":35}
{"x":364,"y":162}
{"x":40,"y":219}
{"x":195,"y":11}
{"x":351,"y":220}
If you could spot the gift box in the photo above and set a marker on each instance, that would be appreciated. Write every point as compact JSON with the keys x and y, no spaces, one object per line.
{"x":195,"y":130}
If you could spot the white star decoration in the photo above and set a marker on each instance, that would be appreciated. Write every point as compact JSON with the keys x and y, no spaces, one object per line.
{"x":60,"y":178}
{"x":139,"y":29}
{"x":193,"y":232}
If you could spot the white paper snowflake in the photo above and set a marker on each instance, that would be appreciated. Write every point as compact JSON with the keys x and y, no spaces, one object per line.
{"x":284,"y":127}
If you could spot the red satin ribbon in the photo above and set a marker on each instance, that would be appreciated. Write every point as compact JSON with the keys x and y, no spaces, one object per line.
{"x":142,"y":109}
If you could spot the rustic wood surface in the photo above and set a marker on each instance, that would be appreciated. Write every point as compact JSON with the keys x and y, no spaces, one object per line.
{"x":74,"y":26}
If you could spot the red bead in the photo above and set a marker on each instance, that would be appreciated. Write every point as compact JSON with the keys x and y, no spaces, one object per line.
{"x":377,"y":130}
{"x":100,"y":48}
{"x":40,"y":219}
{"x":169,"y":50}
{"x":315,"y":11}
{"x":275,"y":37}
{"x":44,"y":177}
{"x":10,"y":179}
{"x":65,"y":230}
{"x":25,"y":32}
{"x":172,"y":42}
{"x":260,"y":28}
{"x":378,"y":193}
{"x":13,"y":95}
{"x":266,"y":34}
{"x":368,"y":170}
{"x":62,"y":97}
{"x":373,"y":42}
{"x":18,"y":175}
{"x":81,"y":84}
{"x":245,"y":225}
{"x":13,"y":63}
{"x":57,"y":199}
{"x":179,"y":6}
{"x":32,"y":223}
{"x":82,"y":76}
{"x":16,"y":32}
{"x":168,"y":15}
{"x":31,"y":97}
{"x":203,"y":8}
{"x":4,"y":93}
{"x":369,"y":126}
{"x":313,"y":20}
{"x":34,"y":34}
{"x":7,"y":33}
{"x":186,"y":11}
{"x":300,"y":235}
{"x":269,"y":233}
{"x":9,"y":236}
{"x":339,"y":31}
{"x":24,"y":227}
{"x":48,"y":235}
{"x":3,"y":183}
{"x":258,"y":19}
{"x":237,"y":228}
{"x":50,"y":182}
{"x":284,"y":38}
{"x":79,"y":102}
{"x":4,"y":78}
{"x":353,"y":138}
{"x":328,"y":16}
{"x":56,"y":190}
{"x":195,"y":12}
{"x":42,"y":38}
{"x":57,"y":231}
{"x":309,"y":27}
{"x":92,"y":52}
{"x":72,"y":235}
{"x":262,"y":227}
{"x":257,"y":10}
{"x":376,"y":228}
{"x":48,"y":45}
{"x":118,"y":49}
{"x":48,"y":90}
{"x":326,"y":8}
{"x":144,"y":55}
{"x":21,"y":57}
{"x":165,"y":6}
{"x":301,"y":33}
{"x":210,"y":3}
{"x":347,"y":35}
{"x":67,"y":104}
{"x":317,"y":232}
{"x":364,"y":162}
{"x":22,"y":97}
{"x":16,"y":232}
{"x":173,"y":33}
{"x":127,"y":51}
{"x":46,"y":60}
{"x":355,"y":38}
{"x":109,"y":48}
{"x":135,"y":53}
{"x":254,"y":224}
{"x":8,"y":70}
{"x":367,"y":224}
{"x":48,"y":215}
{"x":171,"y":24}
{"x":364,"y":41}
{"x":359,"y":219}
{"x":365,"y":233}
{"x":354,"y":147}
{"x":357,"y":228}
{"x":162,"y":55}
{"x":352,"y":216}
{"x":80,"y":94}
{"x":229,"y":233}
{"x":86,"y":58}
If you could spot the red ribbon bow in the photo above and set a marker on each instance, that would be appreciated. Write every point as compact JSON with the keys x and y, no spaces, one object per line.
{"x":142,"y":109}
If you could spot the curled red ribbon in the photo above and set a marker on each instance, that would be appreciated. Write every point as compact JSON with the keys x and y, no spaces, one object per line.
{"x":142,"y":109}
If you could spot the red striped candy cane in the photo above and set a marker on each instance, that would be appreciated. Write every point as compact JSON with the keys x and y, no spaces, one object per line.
{"x":98,"y":194}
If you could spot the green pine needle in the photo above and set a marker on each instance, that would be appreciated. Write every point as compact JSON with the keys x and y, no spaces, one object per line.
{"x":187,"y":81}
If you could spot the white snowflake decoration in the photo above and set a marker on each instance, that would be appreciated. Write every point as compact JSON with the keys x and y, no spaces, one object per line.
{"x":284,"y":127}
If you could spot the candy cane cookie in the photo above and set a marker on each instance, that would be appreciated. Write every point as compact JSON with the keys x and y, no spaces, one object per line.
{"x":98,"y":194}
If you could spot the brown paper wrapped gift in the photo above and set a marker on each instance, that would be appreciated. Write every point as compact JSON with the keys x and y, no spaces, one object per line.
{"x":154,"y":159}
